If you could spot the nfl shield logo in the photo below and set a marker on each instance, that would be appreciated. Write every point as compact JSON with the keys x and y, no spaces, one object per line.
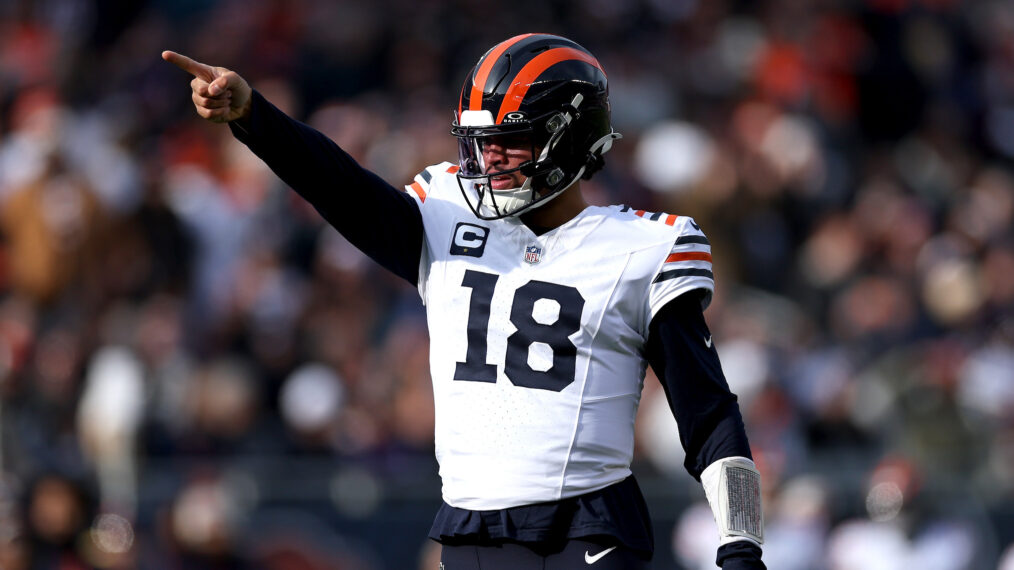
{"x":533,"y":254}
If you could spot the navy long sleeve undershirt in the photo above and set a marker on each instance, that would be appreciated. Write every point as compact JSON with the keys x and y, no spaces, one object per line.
{"x":707,"y":413}
{"x":383,"y":222}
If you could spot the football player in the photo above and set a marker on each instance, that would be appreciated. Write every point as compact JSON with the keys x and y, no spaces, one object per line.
{"x":543,"y":312}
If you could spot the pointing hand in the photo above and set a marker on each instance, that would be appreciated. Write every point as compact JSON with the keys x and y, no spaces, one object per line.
{"x":220,"y":95}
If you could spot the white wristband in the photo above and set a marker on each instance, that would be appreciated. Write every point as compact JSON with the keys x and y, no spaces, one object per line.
{"x":732,"y":485}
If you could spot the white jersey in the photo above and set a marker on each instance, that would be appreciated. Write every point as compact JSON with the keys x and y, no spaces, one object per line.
{"x":537,"y":341}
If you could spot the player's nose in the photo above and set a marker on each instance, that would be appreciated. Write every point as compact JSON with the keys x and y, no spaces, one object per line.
{"x":494,"y":153}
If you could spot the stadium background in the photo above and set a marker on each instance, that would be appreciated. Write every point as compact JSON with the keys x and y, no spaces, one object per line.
{"x":195,"y":372}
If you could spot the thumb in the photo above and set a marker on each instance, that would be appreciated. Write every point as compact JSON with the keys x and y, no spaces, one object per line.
{"x":219,"y":85}
{"x":226,"y":80}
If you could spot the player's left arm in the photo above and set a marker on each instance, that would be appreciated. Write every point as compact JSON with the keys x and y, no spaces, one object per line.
{"x":711,"y":427}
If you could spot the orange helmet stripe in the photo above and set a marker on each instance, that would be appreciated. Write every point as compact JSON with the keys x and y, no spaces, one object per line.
{"x":530,"y":72}
{"x":482,"y":73}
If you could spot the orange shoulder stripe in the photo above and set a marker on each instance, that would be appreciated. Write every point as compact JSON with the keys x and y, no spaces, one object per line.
{"x":418,"y":189}
{"x":689,"y":256}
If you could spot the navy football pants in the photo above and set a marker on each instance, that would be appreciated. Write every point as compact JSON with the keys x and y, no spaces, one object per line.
{"x":574,"y":554}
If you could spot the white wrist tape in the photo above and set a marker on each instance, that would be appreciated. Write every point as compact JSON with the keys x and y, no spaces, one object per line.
{"x":732,"y":485}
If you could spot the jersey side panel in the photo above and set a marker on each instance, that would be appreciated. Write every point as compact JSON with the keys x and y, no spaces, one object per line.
{"x":605,"y":428}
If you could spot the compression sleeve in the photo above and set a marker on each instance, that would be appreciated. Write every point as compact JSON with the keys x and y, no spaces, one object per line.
{"x":380,"y":220}
{"x":680,"y":352}
{"x":711,"y":428}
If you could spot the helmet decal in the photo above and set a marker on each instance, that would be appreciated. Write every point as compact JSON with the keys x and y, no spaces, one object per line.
{"x":514,"y":117}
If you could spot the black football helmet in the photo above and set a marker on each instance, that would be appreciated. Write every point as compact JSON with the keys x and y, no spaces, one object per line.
{"x":544,"y":89}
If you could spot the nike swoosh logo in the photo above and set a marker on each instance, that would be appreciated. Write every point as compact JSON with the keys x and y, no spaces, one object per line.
{"x":589,"y":559}
{"x":707,"y":341}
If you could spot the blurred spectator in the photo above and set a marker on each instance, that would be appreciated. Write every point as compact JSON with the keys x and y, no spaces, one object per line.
{"x":58,"y":512}
{"x":108,"y":418}
{"x":205,"y":524}
{"x":53,"y":225}
{"x":310,"y":404}
{"x":798,"y":522}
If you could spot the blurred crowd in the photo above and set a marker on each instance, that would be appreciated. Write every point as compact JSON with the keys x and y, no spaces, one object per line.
{"x":197,"y":372}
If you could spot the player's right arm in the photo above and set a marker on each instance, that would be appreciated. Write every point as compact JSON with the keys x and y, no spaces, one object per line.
{"x":383,"y":222}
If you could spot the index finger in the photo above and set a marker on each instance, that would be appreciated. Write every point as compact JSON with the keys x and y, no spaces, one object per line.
{"x":195,"y":68}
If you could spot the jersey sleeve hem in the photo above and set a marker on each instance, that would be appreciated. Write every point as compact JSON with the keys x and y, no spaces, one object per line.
{"x":685,"y":287}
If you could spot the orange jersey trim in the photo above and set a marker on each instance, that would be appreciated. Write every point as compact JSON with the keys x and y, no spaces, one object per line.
{"x":530,"y":72}
{"x":418,"y":189}
{"x":689,"y":256}
{"x":482,"y":74}
{"x":671,"y":219}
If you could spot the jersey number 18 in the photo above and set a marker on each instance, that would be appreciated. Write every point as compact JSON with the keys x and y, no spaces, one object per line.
{"x":529,"y":331}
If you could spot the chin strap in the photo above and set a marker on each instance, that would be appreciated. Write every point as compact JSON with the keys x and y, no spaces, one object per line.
{"x":594,"y":161}
{"x":605,"y":143}
{"x":732,"y":485}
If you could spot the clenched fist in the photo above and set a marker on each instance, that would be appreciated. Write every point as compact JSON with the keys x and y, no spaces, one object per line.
{"x":220,"y":95}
